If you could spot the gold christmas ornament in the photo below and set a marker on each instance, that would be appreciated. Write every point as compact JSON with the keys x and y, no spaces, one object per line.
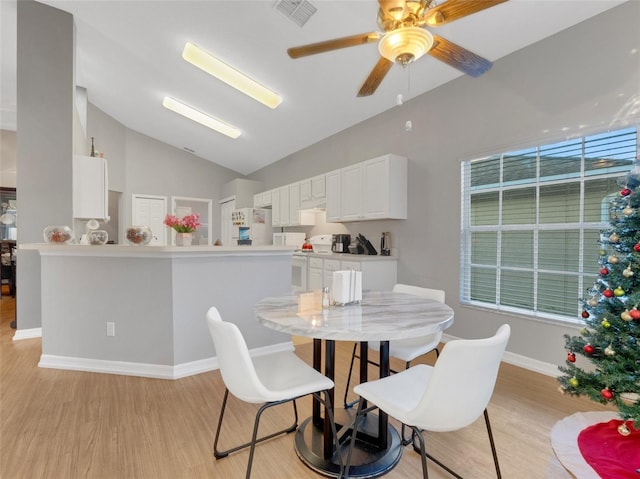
{"x":625,"y":316}
{"x":609,"y":351}
{"x":627,"y":273}
{"x":593,"y":302}
{"x":613,"y":259}
{"x":623,"y":429}
{"x":614,"y":238}
{"x":628,"y":211}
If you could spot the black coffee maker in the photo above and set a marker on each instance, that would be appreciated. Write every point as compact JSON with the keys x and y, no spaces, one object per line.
{"x":340,"y":243}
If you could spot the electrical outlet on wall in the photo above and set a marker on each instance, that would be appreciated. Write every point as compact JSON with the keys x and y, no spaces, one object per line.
{"x":111,"y":328}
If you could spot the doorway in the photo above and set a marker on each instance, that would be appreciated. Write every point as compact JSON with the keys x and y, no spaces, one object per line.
{"x":150,"y":211}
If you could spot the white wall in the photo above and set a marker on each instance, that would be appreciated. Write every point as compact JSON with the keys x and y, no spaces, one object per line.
{"x":569,"y":84}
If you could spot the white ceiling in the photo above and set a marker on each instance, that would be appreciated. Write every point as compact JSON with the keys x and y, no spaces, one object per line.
{"x":129,"y":58}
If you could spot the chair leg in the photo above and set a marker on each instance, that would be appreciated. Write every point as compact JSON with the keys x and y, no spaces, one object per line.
{"x":403,"y":441}
{"x":423,"y":451}
{"x":354,"y":432}
{"x":329,"y":409}
{"x":346,"y":389}
{"x":220,"y":454}
{"x":493,"y":445}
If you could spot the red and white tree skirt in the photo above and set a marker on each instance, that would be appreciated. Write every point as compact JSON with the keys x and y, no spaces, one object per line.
{"x":589,"y":446}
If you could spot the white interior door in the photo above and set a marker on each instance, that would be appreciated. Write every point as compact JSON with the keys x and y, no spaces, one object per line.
{"x":226,"y":225}
{"x":150,"y":211}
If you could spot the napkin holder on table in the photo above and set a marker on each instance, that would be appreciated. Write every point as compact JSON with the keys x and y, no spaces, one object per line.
{"x":347,"y":287}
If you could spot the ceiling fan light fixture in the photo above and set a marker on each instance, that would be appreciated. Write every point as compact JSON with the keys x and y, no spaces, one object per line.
{"x":199,"y":117}
{"x":232,"y":77}
{"x":405,"y":45}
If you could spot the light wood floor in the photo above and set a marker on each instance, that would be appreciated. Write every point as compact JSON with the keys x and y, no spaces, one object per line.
{"x":73,"y":425}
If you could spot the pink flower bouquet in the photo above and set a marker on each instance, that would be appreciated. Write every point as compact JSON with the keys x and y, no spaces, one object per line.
{"x":187,"y":224}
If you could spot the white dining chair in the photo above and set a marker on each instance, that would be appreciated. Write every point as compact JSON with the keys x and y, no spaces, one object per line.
{"x":446,"y":397}
{"x":270,"y":380}
{"x":404,"y":349}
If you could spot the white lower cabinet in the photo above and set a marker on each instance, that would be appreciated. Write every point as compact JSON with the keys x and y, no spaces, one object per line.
{"x":316,"y":275}
{"x":378,"y":273}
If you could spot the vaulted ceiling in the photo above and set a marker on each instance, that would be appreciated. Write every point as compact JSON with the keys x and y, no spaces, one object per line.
{"x":129,"y":59}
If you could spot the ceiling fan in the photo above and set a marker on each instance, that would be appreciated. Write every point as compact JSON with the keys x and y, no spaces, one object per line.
{"x":405,"y":37}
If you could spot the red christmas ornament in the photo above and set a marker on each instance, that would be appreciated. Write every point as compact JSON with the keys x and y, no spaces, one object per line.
{"x":607,"y":394}
{"x":636,"y":247}
{"x":571,"y":357}
{"x":588,"y":348}
{"x":635,"y":313}
{"x":585,"y":314}
{"x":625,"y":192}
{"x":607,"y":293}
{"x":604,"y":271}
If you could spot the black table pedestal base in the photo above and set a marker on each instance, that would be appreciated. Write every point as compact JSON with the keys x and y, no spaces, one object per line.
{"x":366,"y":460}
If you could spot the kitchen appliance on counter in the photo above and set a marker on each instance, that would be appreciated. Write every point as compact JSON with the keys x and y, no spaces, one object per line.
{"x":252,"y":226}
{"x":340,"y":243}
{"x":385,"y":244}
{"x":289,"y":239}
{"x":362,"y":246}
{"x":321,"y":243}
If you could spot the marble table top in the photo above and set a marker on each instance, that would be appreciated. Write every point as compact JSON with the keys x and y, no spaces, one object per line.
{"x":381,"y":316}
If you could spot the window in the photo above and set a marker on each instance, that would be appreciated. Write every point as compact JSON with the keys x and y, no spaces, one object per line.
{"x":531,"y":221}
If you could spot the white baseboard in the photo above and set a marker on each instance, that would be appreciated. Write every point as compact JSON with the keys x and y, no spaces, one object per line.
{"x":27,"y":334}
{"x":531,"y":364}
{"x":156,"y":371}
{"x":534,"y":365}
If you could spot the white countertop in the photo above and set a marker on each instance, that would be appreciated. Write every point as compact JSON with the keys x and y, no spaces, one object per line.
{"x":122,"y":250}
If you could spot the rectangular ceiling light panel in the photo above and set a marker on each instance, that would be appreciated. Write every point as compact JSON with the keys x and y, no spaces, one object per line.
{"x":232,"y":77}
{"x":199,"y":117}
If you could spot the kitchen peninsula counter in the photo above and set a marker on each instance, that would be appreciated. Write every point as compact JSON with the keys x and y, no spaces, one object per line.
{"x":140,"y":310}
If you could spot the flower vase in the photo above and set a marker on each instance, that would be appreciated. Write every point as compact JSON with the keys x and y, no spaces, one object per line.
{"x":184,"y":239}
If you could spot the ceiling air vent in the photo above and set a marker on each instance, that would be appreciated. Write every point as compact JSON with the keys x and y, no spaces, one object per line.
{"x":299,"y":11}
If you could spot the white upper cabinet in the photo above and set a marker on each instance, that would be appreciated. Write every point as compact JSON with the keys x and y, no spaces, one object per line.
{"x":385,"y":187}
{"x":371,"y":190}
{"x":285,"y":213}
{"x":332,"y":185}
{"x":312,"y":192}
{"x":262,"y":200}
{"x":294,"y":204}
{"x":275,"y":207}
{"x":305,"y":193}
{"x":318,"y":190}
{"x":90,"y":188}
{"x":351,"y":193}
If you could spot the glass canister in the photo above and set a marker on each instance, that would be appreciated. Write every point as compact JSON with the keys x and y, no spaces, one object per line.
{"x":97,"y":237}
{"x":138,"y":235}
{"x":58,"y":234}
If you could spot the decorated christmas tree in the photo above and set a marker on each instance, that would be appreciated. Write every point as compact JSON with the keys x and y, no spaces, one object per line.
{"x":610,"y":339}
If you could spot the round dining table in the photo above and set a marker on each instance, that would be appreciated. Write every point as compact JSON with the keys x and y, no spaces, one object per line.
{"x":380,"y":316}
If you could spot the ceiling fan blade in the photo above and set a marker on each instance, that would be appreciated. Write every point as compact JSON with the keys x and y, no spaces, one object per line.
{"x":375,"y":77}
{"x":459,"y":57}
{"x":454,"y":9}
{"x":335,"y":44}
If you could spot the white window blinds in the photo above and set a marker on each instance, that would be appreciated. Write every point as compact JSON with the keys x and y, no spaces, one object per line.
{"x":531,"y":221}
